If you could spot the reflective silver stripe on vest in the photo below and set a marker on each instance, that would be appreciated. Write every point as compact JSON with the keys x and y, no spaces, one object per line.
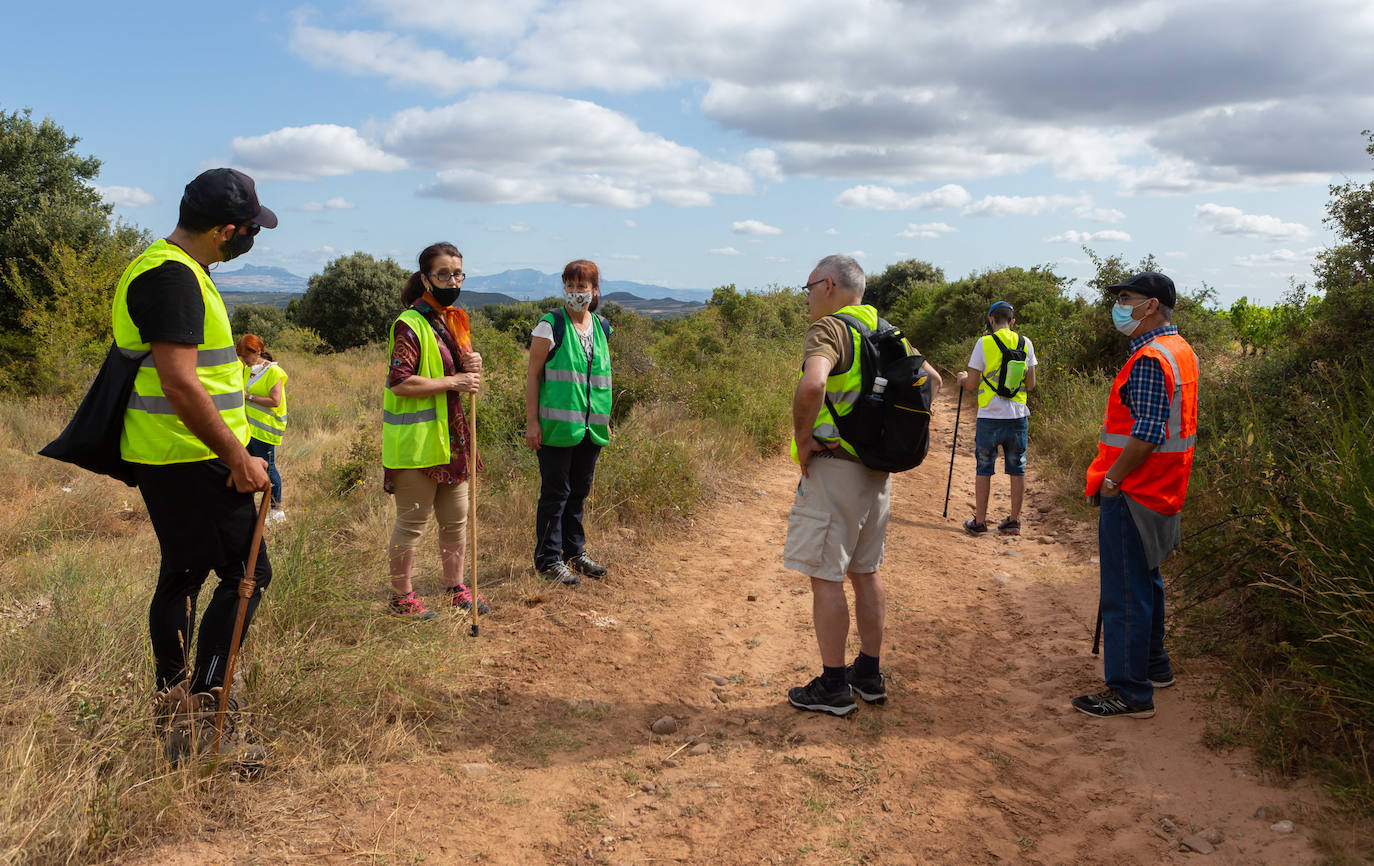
{"x":826,"y":431}
{"x":1176,"y":404}
{"x":162,"y":406}
{"x":573,"y":417}
{"x":577,"y":378}
{"x":424,"y":416}
{"x":1169,"y":446}
{"x":134,"y":354}
{"x":261,"y":426}
{"x":204,"y":357}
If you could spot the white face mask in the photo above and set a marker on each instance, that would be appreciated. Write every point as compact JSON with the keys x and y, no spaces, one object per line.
{"x":576,"y":302}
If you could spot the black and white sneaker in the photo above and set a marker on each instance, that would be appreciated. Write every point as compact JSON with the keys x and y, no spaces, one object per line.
{"x":1108,"y":704}
{"x":559,"y":573}
{"x":815,"y":696}
{"x":872,"y":689}
{"x":587,"y":567}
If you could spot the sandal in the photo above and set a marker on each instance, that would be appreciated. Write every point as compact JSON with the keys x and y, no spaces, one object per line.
{"x":973,"y":527}
{"x":1009,"y":527}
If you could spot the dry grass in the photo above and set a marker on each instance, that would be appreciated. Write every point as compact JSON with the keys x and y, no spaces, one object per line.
{"x":331,"y":682}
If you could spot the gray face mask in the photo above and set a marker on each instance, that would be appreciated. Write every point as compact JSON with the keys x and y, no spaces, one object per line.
{"x":576,"y":302}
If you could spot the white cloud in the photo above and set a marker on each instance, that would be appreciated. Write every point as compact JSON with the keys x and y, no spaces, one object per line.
{"x":726,"y":251}
{"x":519,"y":228}
{"x":763,"y":162}
{"x":1076,"y":237}
{"x":1233,"y":221}
{"x":1021,"y":205}
{"x":1279,"y":257}
{"x":399,"y":59}
{"x":305,"y":152}
{"x":1099,"y":214}
{"x":858,"y":254}
{"x":125,"y":196}
{"x":776,"y":259}
{"x":753,"y":227}
{"x":832,"y":231}
{"x":625,"y":257}
{"x":885,"y":198}
{"x":516,"y":147}
{"x":631,"y":224}
{"x":925,"y":230}
{"x":336,"y":203}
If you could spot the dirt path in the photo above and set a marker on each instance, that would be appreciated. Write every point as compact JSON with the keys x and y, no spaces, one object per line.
{"x":976,"y":758}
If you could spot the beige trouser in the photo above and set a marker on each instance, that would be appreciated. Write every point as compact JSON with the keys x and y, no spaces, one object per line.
{"x":416,"y":496}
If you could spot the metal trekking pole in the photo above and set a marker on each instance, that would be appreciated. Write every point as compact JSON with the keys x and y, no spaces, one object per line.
{"x":247,"y":584}
{"x":958,"y":407}
{"x":472,"y":505}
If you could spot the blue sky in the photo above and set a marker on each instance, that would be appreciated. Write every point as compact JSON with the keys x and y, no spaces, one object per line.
{"x":711,"y":142}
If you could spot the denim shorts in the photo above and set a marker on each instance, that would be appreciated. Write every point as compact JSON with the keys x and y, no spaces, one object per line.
{"x":1011,"y":434}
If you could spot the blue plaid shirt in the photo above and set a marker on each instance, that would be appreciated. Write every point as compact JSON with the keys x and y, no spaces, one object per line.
{"x":1145,"y":394}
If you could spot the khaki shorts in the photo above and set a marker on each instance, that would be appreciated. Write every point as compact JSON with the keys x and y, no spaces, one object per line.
{"x":838,"y":521}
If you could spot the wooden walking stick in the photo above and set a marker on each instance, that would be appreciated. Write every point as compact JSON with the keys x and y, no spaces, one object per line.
{"x":247,"y":584}
{"x":958,"y":407}
{"x":472,"y":504}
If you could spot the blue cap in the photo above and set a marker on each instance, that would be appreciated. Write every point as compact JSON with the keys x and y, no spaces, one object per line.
{"x":1001,"y":304}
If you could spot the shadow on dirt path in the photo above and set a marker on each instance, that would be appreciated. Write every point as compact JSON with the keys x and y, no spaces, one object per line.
{"x":976,"y":758}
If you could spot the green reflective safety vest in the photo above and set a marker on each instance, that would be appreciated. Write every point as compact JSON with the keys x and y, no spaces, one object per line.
{"x":415,"y":432}
{"x":266,"y":423}
{"x":575,"y":398}
{"x":153,"y":434}
{"x":992,"y":363}
{"x":842,"y":386}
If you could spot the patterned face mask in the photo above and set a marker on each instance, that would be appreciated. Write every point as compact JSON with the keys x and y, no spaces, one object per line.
{"x":576,"y":302}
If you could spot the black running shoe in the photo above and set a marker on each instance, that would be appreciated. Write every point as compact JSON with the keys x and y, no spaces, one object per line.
{"x":815,"y":696}
{"x":587,"y":567}
{"x":1108,"y":704}
{"x":1162,"y":680}
{"x":560,"y":573}
{"x":872,"y":689}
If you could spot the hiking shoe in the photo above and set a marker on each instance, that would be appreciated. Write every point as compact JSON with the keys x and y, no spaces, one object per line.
{"x":1009,"y":527}
{"x":1162,"y":681}
{"x":410,"y":607}
{"x":461,"y":597}
{"x":192,"y":729}
{"x":560,"y":573}
{"x":276,"y":515}
{"x":587,"y":567}
{"x":973,"y":527}
{"x":817,"y":697}
{"x":1108,"y":704}
{"x":872,"y":689}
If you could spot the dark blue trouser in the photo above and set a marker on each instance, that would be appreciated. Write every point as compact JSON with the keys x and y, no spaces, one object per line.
{"x":259,"y":448}
{"x":565,"y":478}
{"x":1132,"y":606}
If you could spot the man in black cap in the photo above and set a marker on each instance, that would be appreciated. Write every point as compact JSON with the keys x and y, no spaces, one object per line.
{"x":185,"y":432}
{"x":1140,"y":480}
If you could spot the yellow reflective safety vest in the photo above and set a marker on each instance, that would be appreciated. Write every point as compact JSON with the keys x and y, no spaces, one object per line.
{"x":842,"y":386}
{"x":574,"y":396}
{"x":992,"y":363}
{"x":415,"y":432}
{"x":266,"y":423}
{"x":153,"y":434}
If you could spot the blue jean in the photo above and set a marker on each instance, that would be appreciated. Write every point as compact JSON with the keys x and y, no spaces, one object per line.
{"x":1011,"y":434}
{"x":1132,"y":598}
{"x":259,"y":448}
{"x":565,"y":479}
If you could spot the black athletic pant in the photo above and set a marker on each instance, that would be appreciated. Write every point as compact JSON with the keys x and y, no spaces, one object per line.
{"x":202,"y":525}
{"x":565,"y":479}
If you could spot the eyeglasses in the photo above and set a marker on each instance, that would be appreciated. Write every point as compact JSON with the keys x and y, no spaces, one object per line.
{"x":807,"y":287}
{"x":446,"y":276}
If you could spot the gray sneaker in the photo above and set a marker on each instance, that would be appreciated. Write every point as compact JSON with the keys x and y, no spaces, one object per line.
{"x":560,"y":573}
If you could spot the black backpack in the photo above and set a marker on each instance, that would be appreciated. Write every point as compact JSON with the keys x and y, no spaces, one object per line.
{"x":889,"y":431}
{"x":560,"y":326}
{"x":91,"y":439}
{"x":1014,"y":360}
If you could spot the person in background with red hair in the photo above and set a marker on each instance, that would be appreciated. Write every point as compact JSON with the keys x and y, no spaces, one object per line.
{"x":567,"y":421}
{"x":264,"y":394}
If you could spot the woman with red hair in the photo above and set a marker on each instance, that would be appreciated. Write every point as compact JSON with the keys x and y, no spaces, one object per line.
{"x":264,"y":402}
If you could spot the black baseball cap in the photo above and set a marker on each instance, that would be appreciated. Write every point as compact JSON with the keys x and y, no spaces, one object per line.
{"x":1150,"y":284}
{"x":225,"y":195}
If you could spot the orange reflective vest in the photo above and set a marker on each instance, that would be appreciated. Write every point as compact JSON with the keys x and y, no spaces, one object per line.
{"x":1161,"y":482}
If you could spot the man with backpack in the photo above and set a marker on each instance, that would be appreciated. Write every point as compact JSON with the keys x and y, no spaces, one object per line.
{"x":838,"y":524}
{"x":1002,"y":370}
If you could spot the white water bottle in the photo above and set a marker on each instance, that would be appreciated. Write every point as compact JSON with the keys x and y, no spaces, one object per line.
{"x":879,"y":386}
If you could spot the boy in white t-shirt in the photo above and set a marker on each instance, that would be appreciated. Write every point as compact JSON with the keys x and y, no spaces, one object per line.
{"x":1002,"y":371}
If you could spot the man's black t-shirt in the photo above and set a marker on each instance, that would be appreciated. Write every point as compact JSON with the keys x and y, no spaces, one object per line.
{"x":166,"y":305}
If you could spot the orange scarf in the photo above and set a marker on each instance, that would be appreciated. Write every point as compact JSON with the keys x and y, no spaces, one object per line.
{"x":455,"y":320}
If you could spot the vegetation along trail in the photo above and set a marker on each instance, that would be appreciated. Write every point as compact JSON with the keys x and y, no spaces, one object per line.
{"x":976,"y":758}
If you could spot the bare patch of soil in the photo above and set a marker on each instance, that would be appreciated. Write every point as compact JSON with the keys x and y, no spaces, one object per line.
{"x":976,"y":758}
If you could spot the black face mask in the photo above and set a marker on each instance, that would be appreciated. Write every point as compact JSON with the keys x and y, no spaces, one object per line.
{"x":446,"y":295}
{"x":235,"y":246}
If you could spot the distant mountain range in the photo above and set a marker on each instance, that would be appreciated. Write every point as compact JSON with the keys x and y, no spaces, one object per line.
{"x":523,"y":284}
